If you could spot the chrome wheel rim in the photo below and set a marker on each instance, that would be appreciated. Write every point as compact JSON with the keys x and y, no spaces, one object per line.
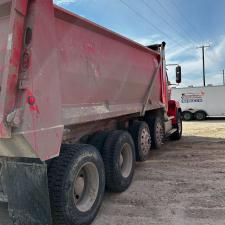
{"x":145,"y":141}
{"x":86,"y":187}
{"x":159,"y":133}
{"x":126,"y":160}
{"x":179,"y":125}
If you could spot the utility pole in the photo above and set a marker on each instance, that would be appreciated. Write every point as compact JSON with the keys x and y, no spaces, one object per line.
{"x":203,"y":60}
{"x":223,"y":71}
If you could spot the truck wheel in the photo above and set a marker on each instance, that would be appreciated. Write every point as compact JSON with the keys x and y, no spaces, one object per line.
{"x":156,"y":131}
{"x":119,"y":158}
{"x":187,"y":116}
{"x":76,"y":185}
{"x":200,"y":115}
{"x":98,"y":140}
{"x":178,"y":134}
{"x":142,"y":139}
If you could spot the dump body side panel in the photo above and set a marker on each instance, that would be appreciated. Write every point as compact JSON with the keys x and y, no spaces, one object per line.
{"x":102,"y":74}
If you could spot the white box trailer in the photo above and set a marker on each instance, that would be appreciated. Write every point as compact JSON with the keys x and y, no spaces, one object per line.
{"x":200,"y":102}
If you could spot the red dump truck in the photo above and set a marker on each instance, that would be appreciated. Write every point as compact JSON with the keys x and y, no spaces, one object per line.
{"x":78,"y":105}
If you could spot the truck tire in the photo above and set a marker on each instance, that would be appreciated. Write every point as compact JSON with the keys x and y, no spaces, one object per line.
{"x":187,"y":116}
{"x":156,"y":131}
{"x":200,"y":115}
{"x":142,"y":139}
{"x":178,"y":134}
{"x":98,"y":140}
{"x":119,"y":158}
{"x":76,"y":185}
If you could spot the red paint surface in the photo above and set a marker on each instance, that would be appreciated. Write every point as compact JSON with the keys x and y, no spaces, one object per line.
{"x":1,"y":69}
{"x":98,"y":66}
{"x":11,"y":29}
{"x":21,"y":6}
{"x":173,"y":107}
{"x":31,"y":101}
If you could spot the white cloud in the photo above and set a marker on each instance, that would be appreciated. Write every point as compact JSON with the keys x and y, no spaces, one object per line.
{"x":148,"y":40}
{"x":174,"y":52}
{"x":63,"y":2}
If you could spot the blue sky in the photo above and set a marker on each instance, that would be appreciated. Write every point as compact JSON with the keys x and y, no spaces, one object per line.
{"x":183,"y":24}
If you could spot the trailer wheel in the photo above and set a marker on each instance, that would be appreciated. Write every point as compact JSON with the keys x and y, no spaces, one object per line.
{"x":200,"y":115}
{"x":178,"y":134}
{"x":76,"y":185}
{"x":187,"y":116}
{"x":156,"y":131}
{"x":142,"y":139}
{"x":119,"y":157}
{"x":98,"y":140}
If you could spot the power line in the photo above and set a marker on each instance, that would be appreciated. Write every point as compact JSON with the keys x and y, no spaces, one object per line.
{"x":223,"y":77}
{"x":149,"y":22}
{"x":223,"y":72}
{"x":162,"y":18}
{"x":187,"y":20}
{"x":203,"y":60}
{"x":174,"y":20}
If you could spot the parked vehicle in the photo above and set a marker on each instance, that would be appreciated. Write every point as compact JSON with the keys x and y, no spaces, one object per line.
{"x":198,"y":103}
{"x":78,"y":105}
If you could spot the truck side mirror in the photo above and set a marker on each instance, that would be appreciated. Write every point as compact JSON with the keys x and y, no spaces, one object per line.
{"x":178,"y":74}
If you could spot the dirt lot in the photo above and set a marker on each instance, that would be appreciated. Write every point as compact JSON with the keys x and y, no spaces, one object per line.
{"x":181,"y":184}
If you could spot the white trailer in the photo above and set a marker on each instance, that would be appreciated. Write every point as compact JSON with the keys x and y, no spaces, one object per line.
{"x":200,"y":102}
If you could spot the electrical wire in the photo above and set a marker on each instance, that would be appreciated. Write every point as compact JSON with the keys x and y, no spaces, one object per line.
{"x":186,"y":19}
{"x":148,"y":22}
{"x":175,"y":21}
{"x":171,"y":26}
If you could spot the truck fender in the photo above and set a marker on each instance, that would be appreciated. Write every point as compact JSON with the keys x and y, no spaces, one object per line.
{"x":173,"y":109}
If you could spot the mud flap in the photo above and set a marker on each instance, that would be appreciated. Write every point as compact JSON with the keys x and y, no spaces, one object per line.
{"x":27,"y":190}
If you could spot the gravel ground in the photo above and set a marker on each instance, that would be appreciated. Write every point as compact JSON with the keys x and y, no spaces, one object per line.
{"x":181,"y":184}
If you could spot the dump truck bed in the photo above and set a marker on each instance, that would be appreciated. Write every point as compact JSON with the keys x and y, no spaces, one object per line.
{"x":102,"y":74}
{"x":59,"y":70}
